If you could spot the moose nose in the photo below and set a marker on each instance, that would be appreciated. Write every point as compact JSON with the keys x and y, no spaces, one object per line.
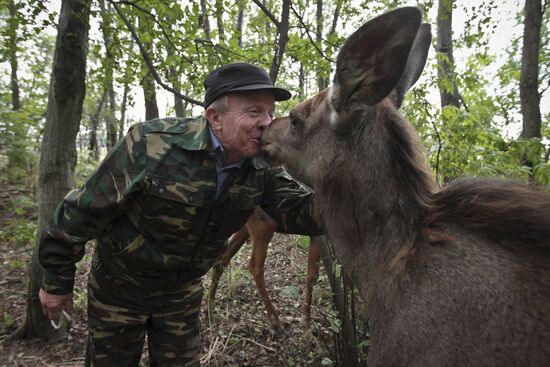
{"x":263,"y":135}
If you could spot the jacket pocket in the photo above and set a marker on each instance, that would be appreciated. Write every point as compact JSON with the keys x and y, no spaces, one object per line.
{"x":169,"y":208}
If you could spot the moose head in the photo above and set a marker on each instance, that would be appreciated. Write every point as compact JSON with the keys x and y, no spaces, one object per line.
{"x":382,"y":59}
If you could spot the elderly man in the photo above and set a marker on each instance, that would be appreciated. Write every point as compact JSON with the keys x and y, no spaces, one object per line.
{"x":161,"y":206}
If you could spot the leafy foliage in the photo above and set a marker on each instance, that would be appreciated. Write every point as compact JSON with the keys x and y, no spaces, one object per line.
{"x":189,"y":40}
{"x":23,"y":44}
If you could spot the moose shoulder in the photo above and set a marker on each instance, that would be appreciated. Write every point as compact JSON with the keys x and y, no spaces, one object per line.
{"x":456,"y":277}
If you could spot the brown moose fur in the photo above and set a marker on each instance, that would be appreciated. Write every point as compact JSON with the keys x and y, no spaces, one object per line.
{"x":456,"y":277}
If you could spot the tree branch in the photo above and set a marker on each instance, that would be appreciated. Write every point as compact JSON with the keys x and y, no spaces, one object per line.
{"x":309,"y":35}
{"x":148,"y":60}
{"x":268,"y":13}
{"x":157,"y":22}
{"x":544,"y":89}
{"x":216,"y":48}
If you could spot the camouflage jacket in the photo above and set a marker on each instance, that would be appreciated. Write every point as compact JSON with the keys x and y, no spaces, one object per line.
{"x":150,"y":205}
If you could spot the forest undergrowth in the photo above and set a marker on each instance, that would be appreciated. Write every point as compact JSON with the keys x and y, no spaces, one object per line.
{"x":236,"y":333}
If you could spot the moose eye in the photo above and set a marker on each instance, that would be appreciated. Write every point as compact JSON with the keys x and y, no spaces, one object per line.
{"x":294,"y":122}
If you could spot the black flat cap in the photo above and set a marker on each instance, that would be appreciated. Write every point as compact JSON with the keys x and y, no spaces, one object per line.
{"x":239,"y":76}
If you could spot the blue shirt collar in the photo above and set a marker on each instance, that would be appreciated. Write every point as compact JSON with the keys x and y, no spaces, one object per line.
{"x":219,"y":153}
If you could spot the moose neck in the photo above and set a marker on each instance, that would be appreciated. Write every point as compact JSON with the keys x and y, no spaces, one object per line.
{"x":379,"y":215}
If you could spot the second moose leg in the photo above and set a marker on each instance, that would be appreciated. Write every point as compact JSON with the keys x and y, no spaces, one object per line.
{"x":260,"y":227}
{"x":313,"y":257}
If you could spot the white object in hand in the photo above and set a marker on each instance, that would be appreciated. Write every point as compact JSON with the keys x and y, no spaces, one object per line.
{"x":57,"y":325}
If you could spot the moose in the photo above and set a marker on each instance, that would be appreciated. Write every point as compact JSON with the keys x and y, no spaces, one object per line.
{"x":260,"y":227}
{"x":458,"y":276}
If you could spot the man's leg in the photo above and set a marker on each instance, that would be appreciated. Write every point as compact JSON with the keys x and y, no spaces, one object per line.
{"x":173,"y":330}
{"x":116,"y":331}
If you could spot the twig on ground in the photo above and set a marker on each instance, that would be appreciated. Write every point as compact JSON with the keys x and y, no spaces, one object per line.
{"x":255,"y":342}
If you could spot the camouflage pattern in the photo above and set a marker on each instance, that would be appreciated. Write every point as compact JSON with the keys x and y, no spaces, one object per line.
{"x":151,"y":207}
{"x":119,"y":317}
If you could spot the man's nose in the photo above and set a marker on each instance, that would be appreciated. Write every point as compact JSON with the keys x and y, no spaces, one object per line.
{"x":265,"y":120}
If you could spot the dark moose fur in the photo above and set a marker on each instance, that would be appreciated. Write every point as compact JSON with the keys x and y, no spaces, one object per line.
{"x":455,"y":277}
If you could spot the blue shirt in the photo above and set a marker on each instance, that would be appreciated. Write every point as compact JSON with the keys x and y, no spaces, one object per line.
{"x":222,"y":171}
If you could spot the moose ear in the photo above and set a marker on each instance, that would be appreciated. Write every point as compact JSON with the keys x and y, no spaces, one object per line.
{"x":415,"y":63}
{"x":372,"y":61}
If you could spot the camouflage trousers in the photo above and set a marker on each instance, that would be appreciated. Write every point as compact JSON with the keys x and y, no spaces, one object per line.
{"x":121,"y":313}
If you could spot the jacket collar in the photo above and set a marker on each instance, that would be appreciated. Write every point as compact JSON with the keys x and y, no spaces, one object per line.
{"x":196,"y":135}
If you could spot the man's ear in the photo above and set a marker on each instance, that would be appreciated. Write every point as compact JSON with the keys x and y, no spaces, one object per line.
{"x":213,"y":116}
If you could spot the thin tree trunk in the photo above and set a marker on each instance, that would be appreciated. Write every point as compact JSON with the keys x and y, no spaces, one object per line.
{"x":127,"y":78}
{"x":94,"y":120}
{"x":109,"y":64}
{"x":148,"y":83}
{"x":448,"y":90}
{"x":150,"y":96}
{"x":12,"y":41}
{"x":301,"y":82}
{"x":123,"y":106}
{"x":240,"y":21}
{"x":16,"y":153}
{"x":219,"y":20}
{"x":111,"y":118}
{"x":281,"y":44}
{"x":322,"y":83}
{"x":179,"y":105}
{"x":174,"y":76}
{"x":204,"y":18}
{"x":58,"y":151}
{"x":528,"y":83}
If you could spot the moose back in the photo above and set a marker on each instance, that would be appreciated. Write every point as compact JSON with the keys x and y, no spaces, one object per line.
{"x":451,"y":277}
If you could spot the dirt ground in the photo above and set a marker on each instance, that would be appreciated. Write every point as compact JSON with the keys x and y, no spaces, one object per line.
{"x":237,"y":332}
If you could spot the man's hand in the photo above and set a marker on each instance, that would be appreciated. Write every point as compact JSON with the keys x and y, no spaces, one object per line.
{"x":53,"y":304}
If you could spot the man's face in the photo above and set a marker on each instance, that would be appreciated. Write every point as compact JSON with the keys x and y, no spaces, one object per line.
{"x":239,"y":127}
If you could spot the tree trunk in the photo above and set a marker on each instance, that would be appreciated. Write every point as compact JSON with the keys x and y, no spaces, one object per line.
{"x":12,"y":41}
{"x":281,"y":44}
{"x":108,"y":32}
{"x":446,"y":76}
{"x":126,"y":91}
{"x":58,"y":153}
{"x":148,"y":82}
{"x":94,"y":120}
{"x":322,"y":83}
{"x":528,"y":82}
{"x":150,"y":96}
{"x":123,"y":106}
{"x":240,"y":21}
{"x":16,"y":153}
{"x":174,"y":77}
{"x":301,"y":82}
{"x":179,"y":105}
{"x":219,"y":19}
{"x":204,"y":18}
